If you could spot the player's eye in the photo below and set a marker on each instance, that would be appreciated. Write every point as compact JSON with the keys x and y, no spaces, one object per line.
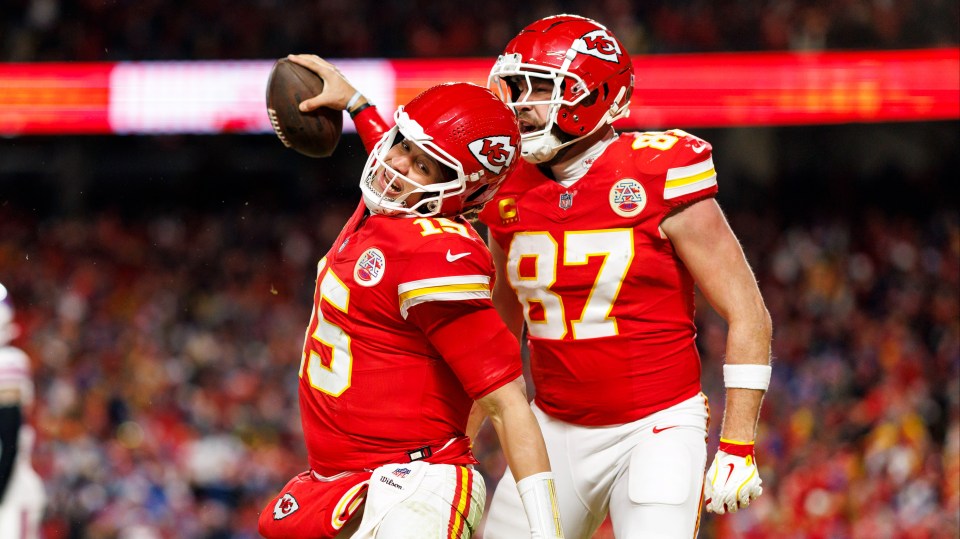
{"x":424,"y":167}
{"x":516,"y":85}
{"x":542,"y":87}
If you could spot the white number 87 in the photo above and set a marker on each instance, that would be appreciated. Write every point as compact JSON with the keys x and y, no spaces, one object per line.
{"x":616,"y":248}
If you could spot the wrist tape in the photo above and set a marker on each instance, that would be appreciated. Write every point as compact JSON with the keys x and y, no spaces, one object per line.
{"x":539,"y":499}
{"x":747,"y":376}
{"x":353,"y":113}
{"x":353,"y":100}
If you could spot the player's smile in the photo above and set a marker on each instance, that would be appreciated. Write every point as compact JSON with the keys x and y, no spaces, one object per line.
{"x":389,"y":186}
{"x":388,"y":189}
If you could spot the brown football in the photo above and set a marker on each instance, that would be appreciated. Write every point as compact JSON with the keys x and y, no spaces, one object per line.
{"x":315,"y":133}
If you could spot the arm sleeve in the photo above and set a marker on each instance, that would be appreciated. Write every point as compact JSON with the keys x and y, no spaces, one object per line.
{"x":370,"y":126}
{"x":10,"y":420}
{"x":473,"y":340}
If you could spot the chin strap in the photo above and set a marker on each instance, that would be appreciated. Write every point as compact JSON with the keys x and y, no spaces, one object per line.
{"x":541,"y":149}
{"x":545,"y":148}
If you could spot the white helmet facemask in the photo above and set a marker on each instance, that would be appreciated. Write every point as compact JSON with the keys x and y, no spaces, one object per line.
{"x":432,"y":195}
{"x":543,"y":144}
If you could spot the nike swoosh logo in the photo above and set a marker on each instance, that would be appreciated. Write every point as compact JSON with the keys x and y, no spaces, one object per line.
{"x":698,"y":148}
{"x":657,"y":430}
{"x":729,"y":473}
{"x":454,"y":257}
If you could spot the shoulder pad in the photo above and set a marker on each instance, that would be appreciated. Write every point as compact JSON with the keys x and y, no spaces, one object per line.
{"x":657,"y":151}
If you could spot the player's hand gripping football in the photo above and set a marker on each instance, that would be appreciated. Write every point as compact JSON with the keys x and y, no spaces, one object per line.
{"x":337,"y":90}
{"x":733,"y":480}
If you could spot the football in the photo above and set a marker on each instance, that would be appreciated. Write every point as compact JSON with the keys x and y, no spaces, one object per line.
{"x":315,"y":133}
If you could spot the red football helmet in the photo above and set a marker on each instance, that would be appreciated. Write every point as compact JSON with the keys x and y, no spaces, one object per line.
{"x":466,"y":129}
{"x":591,"y":72}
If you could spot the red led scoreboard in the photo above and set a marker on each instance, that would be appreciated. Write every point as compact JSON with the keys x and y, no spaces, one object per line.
{"x":689,"y":90}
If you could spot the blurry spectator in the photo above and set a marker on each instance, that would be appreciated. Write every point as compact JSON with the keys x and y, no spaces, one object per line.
{"x":22,"y":498}
{"x":50,"y":30}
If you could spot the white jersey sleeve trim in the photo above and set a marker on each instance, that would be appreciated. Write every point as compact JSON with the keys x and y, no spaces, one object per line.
{"x":454,"y":288}
{"x":690,"y":179}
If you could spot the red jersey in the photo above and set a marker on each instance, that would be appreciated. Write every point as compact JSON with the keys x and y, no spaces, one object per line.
{"x":608,"y":305}
{"x":373,"y":387}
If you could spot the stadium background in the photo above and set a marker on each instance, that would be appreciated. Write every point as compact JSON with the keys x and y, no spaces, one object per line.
{"x":163,"y":282}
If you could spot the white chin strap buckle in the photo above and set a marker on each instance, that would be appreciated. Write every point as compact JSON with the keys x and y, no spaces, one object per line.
{"x":540,"y":150}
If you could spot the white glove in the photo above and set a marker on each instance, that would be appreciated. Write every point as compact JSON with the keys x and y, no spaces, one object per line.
{"x":733,"y":480}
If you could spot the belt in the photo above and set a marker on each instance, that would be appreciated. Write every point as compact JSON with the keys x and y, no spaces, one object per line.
{"x":426,"y":451}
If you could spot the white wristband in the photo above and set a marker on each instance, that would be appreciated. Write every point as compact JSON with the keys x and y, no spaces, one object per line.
{"x":539,"y":499}
{"x":353,"y":100}
{"x":747,"y":376}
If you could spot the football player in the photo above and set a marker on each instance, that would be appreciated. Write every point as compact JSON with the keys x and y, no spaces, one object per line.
{"x":22,"y":498}
{"x":599,"y":239}
{"x":403,"y":338}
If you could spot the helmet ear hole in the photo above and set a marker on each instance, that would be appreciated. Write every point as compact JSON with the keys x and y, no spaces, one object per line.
{"x":591,"y":99}
{"x":588,"y":102}
{"x":476,"y":194}
{"x":430,"y":208}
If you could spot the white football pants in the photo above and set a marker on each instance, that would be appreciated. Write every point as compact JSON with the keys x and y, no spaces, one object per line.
{"x":433,"y":501}
{"x":23,"y":504}
{"x":647,"y":474}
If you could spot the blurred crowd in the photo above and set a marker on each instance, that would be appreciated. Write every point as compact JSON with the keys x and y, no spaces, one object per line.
{"x":166,"y":367}
{"x":165,"y":350}
{"x":95,"y":30}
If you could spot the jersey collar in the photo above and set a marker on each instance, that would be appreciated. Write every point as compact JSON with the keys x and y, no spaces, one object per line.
{"x":567,"y":172}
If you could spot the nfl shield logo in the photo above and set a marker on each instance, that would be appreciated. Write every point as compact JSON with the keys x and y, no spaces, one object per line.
{"x":566,"y":200}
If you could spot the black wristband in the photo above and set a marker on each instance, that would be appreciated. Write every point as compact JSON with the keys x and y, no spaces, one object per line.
{"x":353,"y":113}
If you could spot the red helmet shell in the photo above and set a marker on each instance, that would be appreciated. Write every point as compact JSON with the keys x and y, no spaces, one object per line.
{"x":466,"y":128}
{"x":598,"y":58}
{"x":474,"y":127}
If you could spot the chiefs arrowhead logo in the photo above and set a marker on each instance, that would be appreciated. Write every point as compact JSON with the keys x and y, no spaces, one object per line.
{"x":286,"y":506}
{"x":598,"y":43}
{"x":494,"y":153}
